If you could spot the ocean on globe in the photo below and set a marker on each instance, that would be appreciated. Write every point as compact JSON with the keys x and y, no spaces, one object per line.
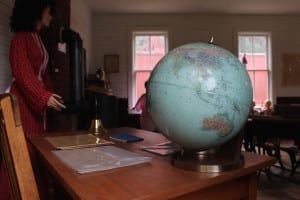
{"x":199,"y":95}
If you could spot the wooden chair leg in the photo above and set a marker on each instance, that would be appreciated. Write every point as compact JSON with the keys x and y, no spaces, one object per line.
{"x":268,"y":173}
{"x":292,"y":156}
{"x":278,"y":156}
{"x":273,"y":149}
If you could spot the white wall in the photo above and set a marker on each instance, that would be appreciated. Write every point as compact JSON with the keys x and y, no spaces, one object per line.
{"x":110,"y":35}
{"x":81,"y":23}
{"x":5,"y":36}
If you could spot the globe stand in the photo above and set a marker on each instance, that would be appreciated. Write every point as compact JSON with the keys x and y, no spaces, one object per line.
{"x":223,"y":158}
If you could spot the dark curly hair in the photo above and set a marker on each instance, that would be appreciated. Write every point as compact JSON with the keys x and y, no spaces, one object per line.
{"x":26,"y":13}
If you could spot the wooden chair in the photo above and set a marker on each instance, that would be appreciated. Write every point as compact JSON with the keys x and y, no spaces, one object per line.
{"x":15,"y":152}
{"x":293,"y":152}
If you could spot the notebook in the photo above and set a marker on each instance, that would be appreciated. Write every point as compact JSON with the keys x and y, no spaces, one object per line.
{"x":77,"y":141}
{"x":125,"y":137}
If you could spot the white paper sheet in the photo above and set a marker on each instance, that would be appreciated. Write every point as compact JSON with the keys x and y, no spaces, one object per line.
{"x":99,"y":158}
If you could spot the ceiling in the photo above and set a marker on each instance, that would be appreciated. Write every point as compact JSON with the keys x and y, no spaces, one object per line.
{"x":281,"y":7}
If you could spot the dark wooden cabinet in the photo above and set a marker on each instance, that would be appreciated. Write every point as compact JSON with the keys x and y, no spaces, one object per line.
{"x":59,"y":67}
{"x":58,"y":61}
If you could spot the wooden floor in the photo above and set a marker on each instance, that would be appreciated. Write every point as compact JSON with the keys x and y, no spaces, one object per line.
{"x":277,"y":189}
{"x":281,"y":186}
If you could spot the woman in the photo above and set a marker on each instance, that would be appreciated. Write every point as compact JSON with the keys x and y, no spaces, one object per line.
{"x":146,"y":122}
{"x":31,"y":83}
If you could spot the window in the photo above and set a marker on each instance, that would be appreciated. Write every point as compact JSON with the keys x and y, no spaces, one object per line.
{"x":255,"y":52}
{"x":147,"y":49}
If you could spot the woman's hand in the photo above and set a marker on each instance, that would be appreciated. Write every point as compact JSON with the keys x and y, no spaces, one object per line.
{"x":56,"y":102}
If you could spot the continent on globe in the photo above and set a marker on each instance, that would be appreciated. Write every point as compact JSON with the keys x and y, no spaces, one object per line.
{"x":218,"y":123}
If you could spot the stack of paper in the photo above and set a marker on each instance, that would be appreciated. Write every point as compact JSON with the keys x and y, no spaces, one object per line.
{"x":99,"y":158}
{"x":163,"y":149}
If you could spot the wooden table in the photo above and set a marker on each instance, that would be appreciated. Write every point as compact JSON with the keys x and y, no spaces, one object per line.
{"x":155,"y":180}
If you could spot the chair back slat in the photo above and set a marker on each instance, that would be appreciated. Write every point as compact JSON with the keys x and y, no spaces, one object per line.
{"x":15,"y":152}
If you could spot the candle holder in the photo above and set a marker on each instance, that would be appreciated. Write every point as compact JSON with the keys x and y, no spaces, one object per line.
{"x":96,"y":127}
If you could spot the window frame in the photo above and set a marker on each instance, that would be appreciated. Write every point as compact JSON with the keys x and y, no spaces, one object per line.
{"x":269,"y":70}
{"x":132,"y":70}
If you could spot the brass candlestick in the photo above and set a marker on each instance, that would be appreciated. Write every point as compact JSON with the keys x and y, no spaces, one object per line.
{"x":96,"y":123}
{"x":96,"y":127}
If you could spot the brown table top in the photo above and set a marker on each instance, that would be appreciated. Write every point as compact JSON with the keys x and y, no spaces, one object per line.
{"x":155,"y":180}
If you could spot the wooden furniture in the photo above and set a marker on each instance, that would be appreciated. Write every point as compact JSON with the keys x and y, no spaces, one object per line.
{"x":15,"y":153}
{"x":286,"y":100}
{"x":290,"y":107}
{"x":59,"y":66}
{"x":126,"y":118}
{"x":274,"y":126}
{"x":106,"y":107}
{"x":155,"y":180}
{"x":263,"y":128}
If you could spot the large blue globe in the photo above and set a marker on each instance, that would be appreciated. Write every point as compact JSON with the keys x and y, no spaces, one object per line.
{"x":199,"y":95}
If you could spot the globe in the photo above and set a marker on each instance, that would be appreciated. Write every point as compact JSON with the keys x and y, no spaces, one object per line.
{"x":199,"y":96}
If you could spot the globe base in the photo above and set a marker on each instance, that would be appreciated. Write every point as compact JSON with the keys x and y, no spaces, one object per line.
{"x":203,"y":162}
{"x":223,"y":158}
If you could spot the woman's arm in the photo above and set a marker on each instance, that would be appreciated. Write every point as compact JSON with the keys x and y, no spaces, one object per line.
{"x":141,"y":103}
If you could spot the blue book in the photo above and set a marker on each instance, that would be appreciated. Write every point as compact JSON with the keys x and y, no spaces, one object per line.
{"x":125,"y":137}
